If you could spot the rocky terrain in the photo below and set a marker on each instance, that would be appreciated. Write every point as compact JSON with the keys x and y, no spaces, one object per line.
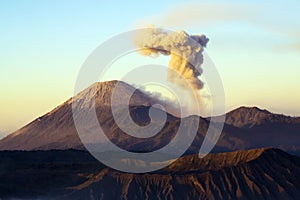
{"x":73,"y":174}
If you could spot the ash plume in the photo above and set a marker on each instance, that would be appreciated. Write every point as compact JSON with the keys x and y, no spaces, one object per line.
{"x":185,"y":51}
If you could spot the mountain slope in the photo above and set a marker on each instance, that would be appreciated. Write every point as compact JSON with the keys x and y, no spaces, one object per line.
{"x":252,"y":174}
{"x":56,"y":130}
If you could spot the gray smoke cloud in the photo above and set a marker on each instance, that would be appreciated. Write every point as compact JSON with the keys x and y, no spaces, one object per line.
{"x":185,"y":51}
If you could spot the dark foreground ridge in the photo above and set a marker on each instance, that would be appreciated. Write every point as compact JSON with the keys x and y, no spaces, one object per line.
{"x":74,"y":174}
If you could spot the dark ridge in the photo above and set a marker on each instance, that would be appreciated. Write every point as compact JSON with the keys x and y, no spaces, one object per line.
{"x":264,"y":173}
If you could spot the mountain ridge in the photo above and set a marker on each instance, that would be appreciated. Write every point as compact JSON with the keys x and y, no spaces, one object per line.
{"x":244,"y":128}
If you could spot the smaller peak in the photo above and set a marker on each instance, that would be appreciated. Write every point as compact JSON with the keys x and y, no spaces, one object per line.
{"x":247,"y":116}
{"x":248,"y":109}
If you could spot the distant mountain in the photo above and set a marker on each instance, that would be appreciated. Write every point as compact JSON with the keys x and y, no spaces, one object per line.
{"x":69,"y":174}
{"x":253,"y":128}
{"x":247,"y":117}
{"x":245,"y":127}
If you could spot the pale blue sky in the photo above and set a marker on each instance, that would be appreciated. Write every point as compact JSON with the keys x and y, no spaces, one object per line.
{"x":254,"y":45}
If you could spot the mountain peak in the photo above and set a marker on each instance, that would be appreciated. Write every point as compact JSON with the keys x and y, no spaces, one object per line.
{"x":247,"y":116}
{"x":102,"y":92}
{"x":56,"y":129}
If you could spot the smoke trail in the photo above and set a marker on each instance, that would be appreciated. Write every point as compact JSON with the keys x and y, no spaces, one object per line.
{"x":185,"y":51}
